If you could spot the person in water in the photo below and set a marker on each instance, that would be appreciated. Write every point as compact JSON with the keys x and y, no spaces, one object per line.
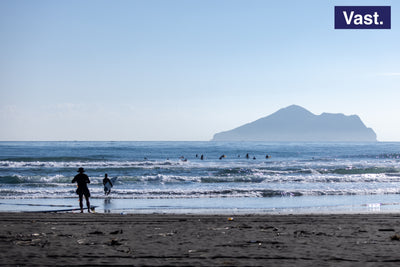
{"x":105,"y":181}
{"x":82,"y":180}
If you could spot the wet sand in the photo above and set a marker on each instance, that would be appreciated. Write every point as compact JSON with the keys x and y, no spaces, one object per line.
{"x":40,"y":239}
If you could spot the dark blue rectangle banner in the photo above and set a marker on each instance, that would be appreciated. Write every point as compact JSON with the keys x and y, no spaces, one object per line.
{"x":362,"y":17}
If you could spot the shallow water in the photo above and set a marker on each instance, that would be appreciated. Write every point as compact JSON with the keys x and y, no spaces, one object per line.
{"x":169,"y":177}
{"x":276,"y":205}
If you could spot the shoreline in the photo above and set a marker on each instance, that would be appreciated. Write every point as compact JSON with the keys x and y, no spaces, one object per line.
{"x":40,"y":239}
{"x":345,"y":204}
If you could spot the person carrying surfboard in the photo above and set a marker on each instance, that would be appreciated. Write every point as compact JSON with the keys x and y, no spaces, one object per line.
{"x":107,"y":184}
{"x":82,"y":180}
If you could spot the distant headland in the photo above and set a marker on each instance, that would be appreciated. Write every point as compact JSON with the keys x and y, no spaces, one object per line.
{"x":296,"y":124}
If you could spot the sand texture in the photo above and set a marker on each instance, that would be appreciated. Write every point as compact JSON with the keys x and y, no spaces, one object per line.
{"x":40,"y":239}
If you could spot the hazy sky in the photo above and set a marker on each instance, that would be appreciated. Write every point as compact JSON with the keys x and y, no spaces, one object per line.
{"x":184,"y":70}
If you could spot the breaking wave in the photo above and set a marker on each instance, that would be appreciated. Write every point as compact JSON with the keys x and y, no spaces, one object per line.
{"x":158,"y":170}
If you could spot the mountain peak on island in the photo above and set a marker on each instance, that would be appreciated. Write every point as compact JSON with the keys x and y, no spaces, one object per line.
{"x":296,"y":124}
{"x":293,"y":110}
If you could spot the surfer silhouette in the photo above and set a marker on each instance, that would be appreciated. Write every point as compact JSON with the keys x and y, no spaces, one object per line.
{"x":82,"y":180}
{"x":107,"y":184}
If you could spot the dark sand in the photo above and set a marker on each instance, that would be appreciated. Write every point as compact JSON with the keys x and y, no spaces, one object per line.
{"x":199,"y":240}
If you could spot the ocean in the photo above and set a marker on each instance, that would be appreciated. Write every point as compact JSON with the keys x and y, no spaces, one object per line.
{"x":203,"y":177}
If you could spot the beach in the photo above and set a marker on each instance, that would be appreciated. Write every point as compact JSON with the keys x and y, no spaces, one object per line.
{"x":44,"y":239}
{"x":308,"y":205}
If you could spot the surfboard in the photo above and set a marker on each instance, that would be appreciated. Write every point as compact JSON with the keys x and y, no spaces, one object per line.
{"x":107,"y":187}
{"x":92,"y":208}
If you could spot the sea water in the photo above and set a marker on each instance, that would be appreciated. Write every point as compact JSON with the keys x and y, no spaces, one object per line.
{"x":203,"y":177}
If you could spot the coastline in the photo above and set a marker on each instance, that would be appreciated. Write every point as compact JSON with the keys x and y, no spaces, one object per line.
{"x":40,"y":239}
{"x":349,"y":204}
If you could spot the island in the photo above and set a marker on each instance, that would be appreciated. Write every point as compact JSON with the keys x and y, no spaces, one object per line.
{"x":297,"y":124}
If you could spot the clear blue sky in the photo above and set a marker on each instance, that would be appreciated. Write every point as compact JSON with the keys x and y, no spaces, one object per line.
{"x":184,"y":70}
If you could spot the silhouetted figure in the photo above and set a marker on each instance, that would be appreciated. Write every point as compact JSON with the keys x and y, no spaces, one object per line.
{"x":182,"y":158}
{"x":267,"y":156}
{"x":247,"y":156}
{"x":107,"y":184}
{"x":202,"y":157}
{"x":222,"y":156}
{"x":82,"y":180}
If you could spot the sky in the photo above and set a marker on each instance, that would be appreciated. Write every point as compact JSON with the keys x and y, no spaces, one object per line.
{"x":183,"y":70}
